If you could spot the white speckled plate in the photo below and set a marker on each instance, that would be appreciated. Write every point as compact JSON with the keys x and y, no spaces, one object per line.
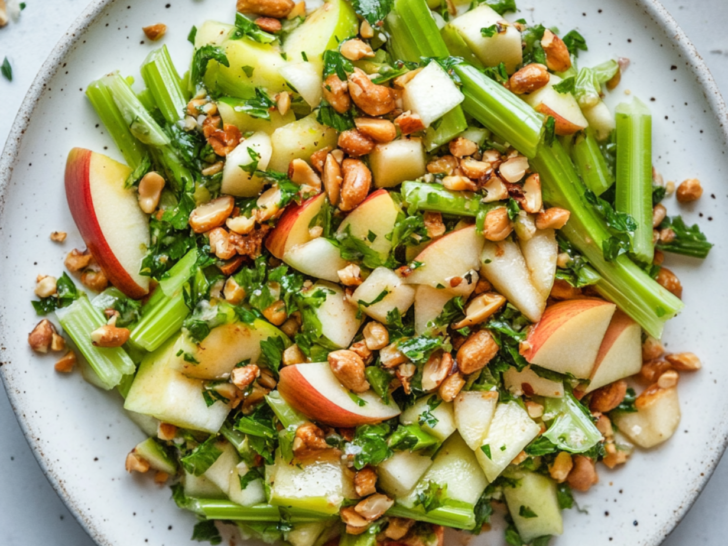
{"x":79,"y":433}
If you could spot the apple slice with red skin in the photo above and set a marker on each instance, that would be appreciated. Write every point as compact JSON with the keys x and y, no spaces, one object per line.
{"x":568,"y":336}
{"x":620,"y":354}
{"x":377,"y":214}
{"x":312,"y":389}
{"x":107,"y":215}
{"x":560,"y":106}
{"x":292,"y":228}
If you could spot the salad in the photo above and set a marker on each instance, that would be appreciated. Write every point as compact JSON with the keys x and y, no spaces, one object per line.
{"x":375,"y":269}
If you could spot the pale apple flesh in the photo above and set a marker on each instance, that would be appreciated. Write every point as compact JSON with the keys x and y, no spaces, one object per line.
{"x":293,"y":227}
{"x":620,"y":354}
{"x":376,"y":215}
{"x":339,"y":319}
{"x":107,"y":215}
{"x":560,"y":106}
{"x":656,"y":420}
{"x":318,"y":258}
{"x":313,"y":390}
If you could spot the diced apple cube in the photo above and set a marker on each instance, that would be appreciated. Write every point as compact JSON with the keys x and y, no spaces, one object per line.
{"x":306,"y":79}
{"x":400,"y":473}
{"x":529,"y":382}
{"x":254,"y":492}
{"x":657,"y":418}
{"x":620,"y":354}
{"x":429,"y":304}
{"x":540,"y":253}
{"x":443,"y":414}
{"x":298,"y":140}
{"x":431,"y":94}
{"x":220,"y":471}
{"x":534,"y":506}
{"x":474,"y":411}
{"x":397,"y":162}
{"x":388,"y":290}
{"x":337,"y":316}
{"x":318,"y":258}
{"x":236,"y":181}
{"x":560,"y":106}
{"x":601,"y":119}
{"x":372,"y":221}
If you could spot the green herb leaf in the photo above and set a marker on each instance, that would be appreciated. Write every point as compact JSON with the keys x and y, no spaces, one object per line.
{"x":489,"y":32}
{"x":564,"y":496}
{"x":418,"y":349}
{"x":370,"y":445}
{"x":513,"y":209}
{"x":373,"y":11}
{"x":272,"y":353}
{"x":575,"y":42}
{"x":432,"y":496}
{"x":336,"y":63}
{"x":540,"y":446}
{"x":258,"y":107}
{"x":566,"y":86}
{"x":486,"y":449}
{"x":202,"y":57}
{"x":192,"y":35}
{"x":380,"y":380}
{"x":206,"y":531}
{"x":66,"y":294}
{"x":526,"y":512}
{"x":326,"y":115}
{"x":7,"y":70}
{"x":245,"y":28}
{"x":426,"y":417}
{"x":502,"y":6}
{"x":628,"y":403}
{"x":689,"y":241}
{"x":202,"y":457}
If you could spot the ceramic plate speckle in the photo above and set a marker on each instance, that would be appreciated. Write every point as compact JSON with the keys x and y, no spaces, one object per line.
{"x":80,"y":434}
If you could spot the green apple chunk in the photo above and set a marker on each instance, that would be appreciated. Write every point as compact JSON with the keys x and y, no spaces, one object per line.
{"x":232,"y":112}
{"x":306,"y":534}
{"x":429,"y":304}
{"x":319,"y":258}
{"x":298,"y":140}
{"x":213,"y":33}
{"x":319,"y":486}
{"x":220,"y":471}
{"x":439,"y":422}
{"x":534,"y":506}
{"x":372,"y":221}
{"x":510,"y":431}
{"x":151,"y":451}
{"x":382,"y":292}
{"x":400,"y":473}
{"x":306,"y":79}
{"x":199,"y":487}
{"x":397,"y":162}
{"x":161,"y":391}
{"x":474,"y":411}
{"x":529,"y":382}
{"x":338,"y":317}
{"x":324,"y":29}
{"x":254,"y":492}
{"x":431,"y":94}
{"x":226,"y":346}
{"x":241,"y":183}
{"x":656,"y":420}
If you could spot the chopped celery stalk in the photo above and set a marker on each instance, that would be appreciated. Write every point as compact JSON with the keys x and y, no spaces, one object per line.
{"x":110,"y":364}
{"x":634,"y":174}
{"x":591,"y":164}
{"x":458,"y":47}
{"x":623,"y":281}
{"x":224,"y":509}
{"x":448,"y":127}
{"x":285,"y":413}
{"x":238,"y":440}
{"x":125,"y":385}
{"x":434,"y":197}
{"x":571,"y":430}
{"x":134,"y":152}
{"x":401,"y":44}
{"x":179,"y":273}
{"x":451,"y":515}
{"x":689,"y":241}
{"x":178,"y":175}
{"x":500,"y":111}
{"x":137,"y":118}
{"x":162,"y":316}
{"x":163,"y":82}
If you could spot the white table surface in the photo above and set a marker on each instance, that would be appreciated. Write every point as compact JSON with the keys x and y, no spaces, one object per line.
{"x":30,"y":511}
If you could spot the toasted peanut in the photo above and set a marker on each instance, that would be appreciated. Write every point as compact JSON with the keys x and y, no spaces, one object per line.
{"x":659,"y":257}
{"x":58,"y":236}
{"x":400,"y":82}
{"x":562,"y":290}
{"x":479,"y":349}
{"x":552,"y":218}
{"x":472,"y":168}
{"x":309,"y":440}
{"x":614,"y":456}
{"x":274,"y":26}
{"x":668,"y":379}
{"x":302,"y":174}
{"x":604,"y":425}
{"x":684,"y":362}
{"x":391,"y":356}
{"x":293,"y":355}
{"x":269,"y":8}
{"x":372,"y":99}
{"x":658,"y":215}
{"x":558,"y":58}
{"x":652,"y":370}
{"x":155,"y":32}
{"x":299,"y":10}
{"x":269,"y":204}
{"x":212,"y":170}
{"x":459,"y":183}
{"x":650,"y":396}
{"x":364,"y":352}
{"x":348,"y":367}
{"x":534,"y":409}
{"x":532,"y":201}
{"x":521,"y":457}
{"x":46,"y":287}
{"x":669,"y":188}
{"x":242,"y":225}
{"x":336,"y":93}
{"x":397,"y":528}
{"x":41,"y":337}
{"x":276,"y":313}
{"x":220,"y":244}
{"x":689,"y":190}
{"x":350,"y":275}
{"x":365,"y":30}
{"x":166,"y":432}
{"x":225,"y":140}
{"x":355,"y":185}
{"x":434,"y":224}
{"x":376,"y":336}
{"x":373,"y":507}
{"x":652,"y":348}
{"x":212,"y":214}
{"x":244,"y":376}
{"x":292,"y":325}
{"x":355,"y":143}
{"x":365,"y":482}
{"x":134,"y":463}
{"x":436,"y":370}
{"x":667,"y":235}
{"x":318,"y":158}
{"x":497,"y":225}
{"x":58,"y":344}
{"x":355,"y":522}
{"x":446,"y":164}
{"x":462,"y":147}
{"x":495,"y":190}
{"x":77,"y":260}
{"x":266,"y":379}
{"x":332,"y":179}
{"x":283,"y":101}
{"x":514,"y":169}
{"x":409,"y":123}
{"x":561,"y":467}
{"x":233,"y":292}
{"x":480,"y":309}
{"x":355,"y":50}
{"x":94,"y":278}
{"x":528,"y":79}
{"x":608,"y":397}
{"x":668,"y":280}
{"x":584,"y":473}
{"x":66,"y":363}
{"x":451,"y":387}
{"x":380,"y":130}
{"x":3,"y":14}
{"x":110,"y":336}
{"x":563,"y":259}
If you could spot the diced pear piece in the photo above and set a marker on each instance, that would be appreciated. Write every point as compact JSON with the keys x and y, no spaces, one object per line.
{"x":397,"y":162}
{"x":232,"y":112}
{"x":540,"y":253}
{"x":431,"y":94}
{"x":400,"y":473}
{"x":429,"y":304}
{"x":298,"y":140}
{"x":443,"y":413}
{"x":318,"y":258}
{"x":384,"y":281}
{"x":306,"y":79}
{"x":372,"y":221}
{"x":657,"y":418}
{"x":254,"y":492}
{"x":529,"y":382}
{"x":474,"y":411}
{"x":337,"y":316}
{"x":236,"y":181}
{"x":534,"y":494}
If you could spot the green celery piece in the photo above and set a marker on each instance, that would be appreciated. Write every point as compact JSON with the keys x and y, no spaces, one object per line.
{"x":365,"y":539}
{"x":164,"y":84}
{"x":179,"y":274}
{"x":571,"y":430}
{"x":134,"y":152}
{"x":450,"y":125}
{"x":110,"y":364}
{"x":453,"y":514}
{"x":224,"y":509}
{"x":285,"y":413}
{"x":591,"y":164}
{"x":421,"y":28}
{"x":178,"y":176}
{"x":435,"y":198}
{"x":458,"y":47}
{"x":623,"y":282}
{"x":500,"y":111}
{"x":137,"y":117}
{"x":634,"y":174}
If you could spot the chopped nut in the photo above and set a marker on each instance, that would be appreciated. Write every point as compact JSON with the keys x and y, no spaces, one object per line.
{"x":332,"y":179}
{"x":458,"y":183}
{"x":155,"y":32}
{"x":552,"y":218}
{"x":532,"y":201}
{"x":461,"y":147}
{"x":495,"y":190}
{"x":380,"y":130}
{"x":446,"y":164}
{"x":373,"y":507}
{"x":336,"y":93}
{"x":614,"y":456}
{"x":348,"y":367}
{"x":58,"y":344}
{"x":668,"y":280}
{"x":514,"y":170}
{"x":355,"y":143}
{"x":292,"y":325}
{"x":479,"y":349}
{"x":391,"y":356}
{"x":528,"y":79}
{"x":276,"y":313}
{"x":360,"y":348}
{"x":684,"y":362}
{"x":562,"y":290}
{"x":584,"y":473}
{"x":472,"y":168}
{"x":608,"y":397}
{"x":373,"y":99}
{"x":436,"y":370}
{"x":41,"y":337}
{"x":166,"y":432}
{"x":110,"y":336}
{"x":480,"y":309}
{"x":667,"y":235}
{"x":249,"y":245}
{"x":497,"y":224}
{"x":46,"y":287}
{"x":400,"y":82}
{"x":299,"y":10}
{"x":318,"y":158}
{"x":355,"y":50}
{"x":160,"y":478}
{"x":355,"y":523}
{"x":58,"y":236}
{"x":434,"y":224}
{"x":409,"y":123}
{"x":365,"y":30}
{"x":272,"y":25}
{"x":269,"y":8}
{"x":658,"y":215}
{"x":213,"y":169}
{"x":66,"y":363}
{"x":668,"y":379}
{"x":451,"y":387}
{"x":365,"y":482}
{"x":558,"y":58}
{"x":220,"y":244}
{"x":397,"y":528}
{"x":561,"y":467}
{"x":242,"y":225}
{"x":350,"y":275}
{"x":534,"y":409}
{"x":212,"y":214}
{"x":302,"y":173}
{"x":563,"y":260}
{"x":94,"y":278}
{"x":652,"y":370}
{"x":689,"y":190}
{"x":604,"y":425}
{"x":651,"y":349}
{"x":405,"y":373}
{"x":233,"y":292}
{"x":293,"y":355}
{"x":77,"y":260}
{"x":225,"y":140}
{"x":355,"y":185}
{"x":266,"y":379}
{"x":309,"y":440}
{"x":376,"y":336}
{"x":269,"y":205}
{"x":134,"y":463}
{"x":244,"y":376}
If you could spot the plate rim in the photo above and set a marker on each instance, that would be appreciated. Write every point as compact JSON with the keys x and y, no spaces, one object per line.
{"x":89,"y":16}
